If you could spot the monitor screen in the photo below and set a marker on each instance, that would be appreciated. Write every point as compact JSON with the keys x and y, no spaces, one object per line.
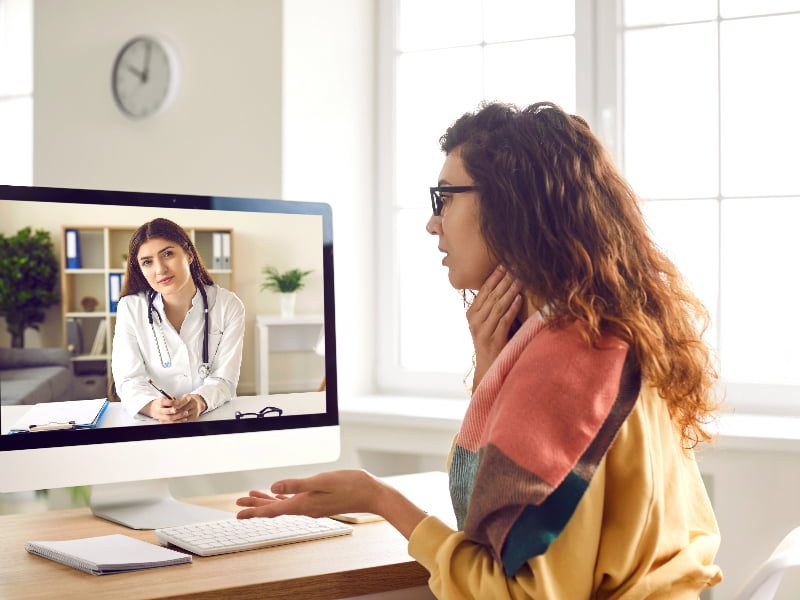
{"x":207,"y":323}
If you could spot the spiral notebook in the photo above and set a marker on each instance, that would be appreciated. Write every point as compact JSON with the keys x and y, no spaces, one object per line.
{"x":108,"y":554}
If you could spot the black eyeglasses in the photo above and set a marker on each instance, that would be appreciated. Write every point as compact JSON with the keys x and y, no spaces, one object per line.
{"x":266,"y":412}
{"x":437,"y":201}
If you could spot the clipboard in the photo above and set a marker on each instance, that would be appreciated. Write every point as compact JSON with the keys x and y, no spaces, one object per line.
{"x":53,"y":416}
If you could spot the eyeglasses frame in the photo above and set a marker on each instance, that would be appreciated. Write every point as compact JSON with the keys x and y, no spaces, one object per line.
{"x":436,"y":195}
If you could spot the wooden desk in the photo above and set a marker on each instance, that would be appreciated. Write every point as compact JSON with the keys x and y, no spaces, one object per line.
{"x":373,"y":559}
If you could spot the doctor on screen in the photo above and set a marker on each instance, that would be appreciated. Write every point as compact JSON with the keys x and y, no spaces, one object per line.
{"x":174,"y":327}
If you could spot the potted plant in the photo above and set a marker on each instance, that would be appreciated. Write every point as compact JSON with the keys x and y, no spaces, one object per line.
{"x":286,"y":284}
{"x":28,"y":280}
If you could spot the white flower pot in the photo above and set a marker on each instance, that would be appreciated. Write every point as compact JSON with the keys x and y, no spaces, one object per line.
{"x":287,"y":305}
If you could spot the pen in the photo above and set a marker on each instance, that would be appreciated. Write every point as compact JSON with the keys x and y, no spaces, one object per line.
{"x":51,"y":426}
{"x":163,"y":393}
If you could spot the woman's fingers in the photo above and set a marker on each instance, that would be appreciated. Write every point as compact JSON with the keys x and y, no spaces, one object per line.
{"x":260,"y":494}
{"x":485,"y":290}
{"x":260,"y":507}
{"x":253,"y":501}
{"x":317,"y":483}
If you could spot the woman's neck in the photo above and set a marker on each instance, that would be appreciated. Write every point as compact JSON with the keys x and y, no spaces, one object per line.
{"x":178,"y":304}
{"x":529,"y":307}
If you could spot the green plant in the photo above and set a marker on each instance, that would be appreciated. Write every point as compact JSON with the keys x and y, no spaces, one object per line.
{"x":286,"y":282}
{"x":28,"y":277}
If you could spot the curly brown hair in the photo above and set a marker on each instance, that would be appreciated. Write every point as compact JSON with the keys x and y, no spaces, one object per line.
{"x":559,"y":215}
{"x":134,"y":281}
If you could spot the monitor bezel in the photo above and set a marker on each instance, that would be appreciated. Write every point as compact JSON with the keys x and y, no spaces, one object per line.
{"x":51,"y":439}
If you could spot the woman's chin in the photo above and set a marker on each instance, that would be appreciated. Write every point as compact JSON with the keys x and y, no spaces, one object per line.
{"x":460,"y":282}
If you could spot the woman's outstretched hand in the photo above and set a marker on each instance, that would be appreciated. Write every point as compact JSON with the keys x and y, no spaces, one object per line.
{"x":334,"y":493}
{"x":490,"y":317}
{"x":318,"y":496}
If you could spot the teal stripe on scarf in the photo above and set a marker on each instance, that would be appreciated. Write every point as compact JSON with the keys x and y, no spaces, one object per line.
{"x":463,"y":472}
{"x":538,"y":526}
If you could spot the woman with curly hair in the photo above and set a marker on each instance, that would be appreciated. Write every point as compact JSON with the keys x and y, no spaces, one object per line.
{"x":572,"y":475}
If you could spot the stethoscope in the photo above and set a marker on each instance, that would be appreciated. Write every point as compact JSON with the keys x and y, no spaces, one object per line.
{"x":205,"y":366}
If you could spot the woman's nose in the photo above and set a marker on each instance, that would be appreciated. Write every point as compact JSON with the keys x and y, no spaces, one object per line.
{"x":434,"y":225}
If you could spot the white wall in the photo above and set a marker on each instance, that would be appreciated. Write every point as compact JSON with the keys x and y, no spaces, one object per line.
{"x":329,"y":85}
{"x":222,"y":133}
{"x":328,"y":147}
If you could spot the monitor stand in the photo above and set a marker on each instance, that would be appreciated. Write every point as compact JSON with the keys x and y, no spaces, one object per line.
{"x":147,"y":505}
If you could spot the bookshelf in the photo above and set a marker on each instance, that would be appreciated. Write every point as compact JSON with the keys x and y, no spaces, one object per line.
{"x":101,"y":255}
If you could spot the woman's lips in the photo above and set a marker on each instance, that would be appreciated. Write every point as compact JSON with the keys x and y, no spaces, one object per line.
{"x":166,"y":280}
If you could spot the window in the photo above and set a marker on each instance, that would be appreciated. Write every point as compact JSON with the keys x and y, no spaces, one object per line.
{"x":447,"y":56}
{"x":16,"y":92}
{"x":710,"y":121}
{"x":698,"y":101}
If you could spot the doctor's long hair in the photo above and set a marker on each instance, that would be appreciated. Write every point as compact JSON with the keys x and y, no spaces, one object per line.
{"x":135,"y":281}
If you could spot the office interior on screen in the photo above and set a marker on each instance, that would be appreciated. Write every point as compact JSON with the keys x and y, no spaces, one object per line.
{"x":68,"y":356}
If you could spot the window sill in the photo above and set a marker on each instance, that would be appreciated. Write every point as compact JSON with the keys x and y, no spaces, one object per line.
{"x":740,"y":431}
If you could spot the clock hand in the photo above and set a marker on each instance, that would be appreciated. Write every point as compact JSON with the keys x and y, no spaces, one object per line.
{"x":136,"y":72}
{"x":146,"y":63}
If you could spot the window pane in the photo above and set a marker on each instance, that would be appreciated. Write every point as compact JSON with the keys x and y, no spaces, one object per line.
{"x":516,"y":72}
{"x":741,"y":8}
{"x":506,"y":20}
{"x":688,"y":231}
{"x":433,"y":90}
{"x":671,"y":133}
{"x":760,"y":63}
{"x":16,"y":141}
{"x":760,"y":328}
{"x":16,"y":47}
{"x":434,"y":335}
{"x":439,"y":24}
{"x":648,"y":12}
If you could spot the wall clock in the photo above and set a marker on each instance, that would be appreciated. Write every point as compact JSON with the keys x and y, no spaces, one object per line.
{"x":144,"y":77}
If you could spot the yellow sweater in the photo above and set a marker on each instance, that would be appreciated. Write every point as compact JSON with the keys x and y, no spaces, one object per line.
{"x":643,"y":529}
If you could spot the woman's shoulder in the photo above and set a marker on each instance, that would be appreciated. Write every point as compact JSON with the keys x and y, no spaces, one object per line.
{"x":132,"y":301}
{"x":226,"y":298}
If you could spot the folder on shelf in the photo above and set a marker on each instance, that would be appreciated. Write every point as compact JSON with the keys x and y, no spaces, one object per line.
{"x":74,"y":337}
{"x":114,"y":287}
{"x":216,"y":239}
{"x":73,"y":249}
{"x":226,"y":250}
{"x":72,"y":414}
{"x":99,"y":345}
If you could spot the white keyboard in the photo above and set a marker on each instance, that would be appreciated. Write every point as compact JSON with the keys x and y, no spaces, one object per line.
{"x":235,"y":535}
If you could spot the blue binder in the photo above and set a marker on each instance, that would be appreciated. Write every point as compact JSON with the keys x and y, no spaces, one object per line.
{"x":73,"y":249}
{"x":114,"y":288}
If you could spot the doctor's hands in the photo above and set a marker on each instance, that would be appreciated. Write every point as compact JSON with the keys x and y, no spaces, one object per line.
{"x":490,"y":317}
{"x":181,"y":410}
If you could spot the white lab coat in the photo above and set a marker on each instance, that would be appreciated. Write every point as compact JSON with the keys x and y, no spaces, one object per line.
{"x":134,"y":356}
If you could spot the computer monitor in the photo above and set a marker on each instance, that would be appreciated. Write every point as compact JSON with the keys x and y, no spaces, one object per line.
{"x":65,"y":269}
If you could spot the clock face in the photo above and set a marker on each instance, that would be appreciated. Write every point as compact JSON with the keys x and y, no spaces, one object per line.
{"x":143,"y":77}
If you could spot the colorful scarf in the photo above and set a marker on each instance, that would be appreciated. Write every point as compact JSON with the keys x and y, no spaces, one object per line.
{"x":538,"y":425}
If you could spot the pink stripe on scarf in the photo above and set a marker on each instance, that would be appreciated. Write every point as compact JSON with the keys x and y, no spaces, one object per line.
{"x":483,"y":397}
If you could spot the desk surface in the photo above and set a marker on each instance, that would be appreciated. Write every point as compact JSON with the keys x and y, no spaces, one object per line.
{"x":373,"y":559}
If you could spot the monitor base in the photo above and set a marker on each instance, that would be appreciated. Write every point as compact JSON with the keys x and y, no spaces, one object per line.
{"x":147,"y":505}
